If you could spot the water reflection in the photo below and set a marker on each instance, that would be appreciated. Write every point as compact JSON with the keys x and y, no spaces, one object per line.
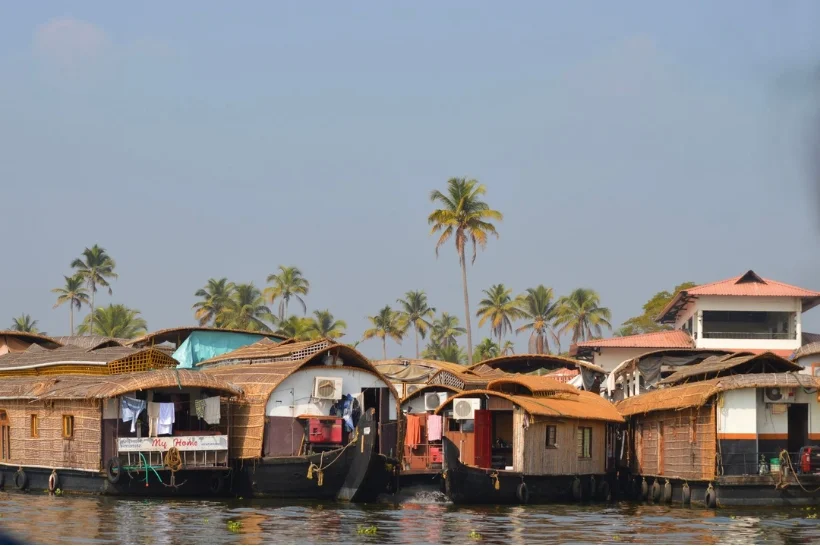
{"x":97,"y":520}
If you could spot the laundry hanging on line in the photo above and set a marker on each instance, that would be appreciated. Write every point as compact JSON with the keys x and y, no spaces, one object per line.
{"x":153,"y":418}
{"x":211,"y":410}
{"x":130,"y":409}
{"x":167,"y":417}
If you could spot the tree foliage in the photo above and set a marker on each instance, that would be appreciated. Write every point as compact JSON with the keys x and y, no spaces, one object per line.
{"x":645,"y":322}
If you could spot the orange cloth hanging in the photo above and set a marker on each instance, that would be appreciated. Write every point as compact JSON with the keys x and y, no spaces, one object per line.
{"x":412,"y":437}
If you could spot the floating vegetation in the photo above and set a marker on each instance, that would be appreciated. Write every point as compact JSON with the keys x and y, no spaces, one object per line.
{"x":234,"y":526}
{"x":475,"y":535}
{"x":370,"y":530}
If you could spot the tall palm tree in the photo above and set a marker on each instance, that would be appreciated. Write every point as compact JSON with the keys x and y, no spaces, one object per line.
{"x":466,"y":218}
{"x":95,"y":267}
{"x":294,"y":327}
{"x":23,"y":323}
{"x":445,"y":330}
{"x":581,"y":314}
{"x":386,"y":324}
{"x":288,"y":283}
{"x":72,"y":294}
{"x":115,"y":320}
{"x":452,"y":353}
{"x":215,"y":296}
{"x":538,"y":309}
{"x":417,"y":313}
{"x":485,"y":350}
{"x":323,"y":325}
{"x":245,"y":310}
{"x":499,"y":308}
{"x":508,"y":348}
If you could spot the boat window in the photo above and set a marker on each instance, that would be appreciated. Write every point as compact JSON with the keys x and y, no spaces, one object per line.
{"x":68,"y":426}
{"x":35,"y":426}
{"x":551,"y":435}
{"x":584,"y":445}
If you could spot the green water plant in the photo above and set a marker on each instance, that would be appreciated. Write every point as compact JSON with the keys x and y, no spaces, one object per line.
{"x":369,"y":530}
{"x":234,"y":526}
{"x":475,"y":535}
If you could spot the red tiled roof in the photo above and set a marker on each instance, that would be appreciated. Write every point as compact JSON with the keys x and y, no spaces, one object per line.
{"x":748,"y":284}
{"x":666,"y":339}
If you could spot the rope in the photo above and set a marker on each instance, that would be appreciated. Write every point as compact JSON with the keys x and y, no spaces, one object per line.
{"x":321,"y":467}
{"x":173,"y":460}
{"x":496,"y":481}
{"x":789,"y":460}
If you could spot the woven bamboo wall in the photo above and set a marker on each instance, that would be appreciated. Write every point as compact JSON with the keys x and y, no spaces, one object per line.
{"x":532,"y":457}
{"x":50,"y":449}
{"x":247,"y":429}
{"x":678,"y":444}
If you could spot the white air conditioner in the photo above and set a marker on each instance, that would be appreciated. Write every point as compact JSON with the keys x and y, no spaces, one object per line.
{"x":777,"y":395}
{"x":433,"y":400}
{"x":464,"y":408}
{"x":327,"y":388}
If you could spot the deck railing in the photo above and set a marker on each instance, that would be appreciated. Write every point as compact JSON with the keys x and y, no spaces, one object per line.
{"x":755,"y":464}
{"x":747,"y":335}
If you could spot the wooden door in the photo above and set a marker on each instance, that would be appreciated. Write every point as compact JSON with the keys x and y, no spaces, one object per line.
{"x":483,"y":438}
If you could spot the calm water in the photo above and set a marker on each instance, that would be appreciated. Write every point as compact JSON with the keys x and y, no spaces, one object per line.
{"x":64,"y":520}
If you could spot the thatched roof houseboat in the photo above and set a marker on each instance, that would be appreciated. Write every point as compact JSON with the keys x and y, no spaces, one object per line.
{"x":305,"y":406}
{"x":12,"y":341}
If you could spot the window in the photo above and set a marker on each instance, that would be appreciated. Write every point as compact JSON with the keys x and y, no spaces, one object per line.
{"x":584,"y":448}
{"x":68,"y":426}
{"x":551,"y":434}
{"x":35,"y":426}
{"x":5,"y":436}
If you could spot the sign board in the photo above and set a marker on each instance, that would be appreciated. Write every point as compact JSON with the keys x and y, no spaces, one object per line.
{"x":182,"y":443}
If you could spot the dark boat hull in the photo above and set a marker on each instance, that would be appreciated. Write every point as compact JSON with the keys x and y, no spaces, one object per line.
{"x":472,"y":485}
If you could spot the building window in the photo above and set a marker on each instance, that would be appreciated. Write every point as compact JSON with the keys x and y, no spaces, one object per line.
{"x":551,"y":435}
{"x":35,"y":426}
{"x":5,"y":436}
{"x":68,"y":426}
{"x":584,"y":448}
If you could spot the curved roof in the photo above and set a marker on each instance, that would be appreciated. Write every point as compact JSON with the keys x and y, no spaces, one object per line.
{"x":694,"y":395}
{"x":180,"y":334}
{"x":537,"y":385}
{"x":462,"y":380}
{"x":715,"y":365}
{"x":429,"y":388}
{"x":91,"y":342}
{"x":810,"y":349}
{"x":630,"y":362}
{"x":414,"y":370}
{"x":28,"y":337}
{"x":69,"y":354}
{"x":83,"y":387}
{"x":586,"y":406}
{"x":528,"y":363}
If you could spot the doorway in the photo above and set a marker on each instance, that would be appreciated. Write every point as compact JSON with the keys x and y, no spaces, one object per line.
{"x":798,"y":427}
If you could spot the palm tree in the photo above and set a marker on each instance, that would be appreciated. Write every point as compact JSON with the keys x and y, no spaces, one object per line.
{"x":452,"y":353}
{"x":95,"y":267}
{"x":537,"y":307}
{"x":72,"y":294}
{"x":23,"y":323}
{"x":386,"y":324}
{"x":289,"y":283}
{"x":115,"y":320}
{"x":465,"y":216}
{"x":485,"y":350}
{"x":245,"y":310}
{"x":508,"y":348}
{"x":499,"y":308}
{"x":581,"y":314}
{"x":417,"y":313}
{"x":323,"y":325}
{"x":295,"y":327}
{"x":215,"y":296}
{"x":445,"y":330}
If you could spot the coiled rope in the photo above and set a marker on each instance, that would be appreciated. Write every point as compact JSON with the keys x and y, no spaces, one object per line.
{"x":321,"y":467}
{"x":784,"y":456}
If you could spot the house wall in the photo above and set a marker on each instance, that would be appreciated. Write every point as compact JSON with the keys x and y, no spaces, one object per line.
{"x":807,"y":362}
{"x":294,"y":396}
{"x":610,"y":357}
{"x":50,"y":449}
{"x":530,"y":455}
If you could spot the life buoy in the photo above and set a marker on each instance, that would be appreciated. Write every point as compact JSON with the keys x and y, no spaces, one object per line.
{"x":711,"y":497}
{"x":216,"y":484}
{"x":523,"y":493}
{"x":667,"y":492}
{"x":644,"y":489}
{"x":53,"y":482}
{"x":656,"y":491}
{"x":686,"y":494}
{"x":576,"y":489}
{"x":604,"y":492}
{"x":113,"y":469}
{"x":20,"y":480}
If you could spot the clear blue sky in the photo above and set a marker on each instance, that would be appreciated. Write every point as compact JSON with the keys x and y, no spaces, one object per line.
{"x":630,"y":145}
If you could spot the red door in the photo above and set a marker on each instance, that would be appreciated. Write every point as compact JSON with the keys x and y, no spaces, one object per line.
{"x":483,"y":438}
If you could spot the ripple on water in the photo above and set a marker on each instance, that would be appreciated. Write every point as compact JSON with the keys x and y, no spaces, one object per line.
{"x":420,"y":519}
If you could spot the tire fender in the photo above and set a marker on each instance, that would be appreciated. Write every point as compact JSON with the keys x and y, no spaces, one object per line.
{"x":686,"y":494}
{"x":656,"y":492}
{"x":604,"y":492}
{"x":523,"y":493}
{"x":644,"y":489}
{"x":20,"y":480}
{"x":113,"y":470}
{"x":217,"y":484}
{"x":576,"y":489}
{"x":53,"y":482}
{"x":667,"y":492}
{"x":711,"y":497}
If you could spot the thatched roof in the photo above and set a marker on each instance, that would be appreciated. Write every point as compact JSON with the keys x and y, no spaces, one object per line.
{"x":91,"y":342}
{"x":66,"y":355}
{"x":809,"y":349}
{"x":734,"y":363}
{"x":180,"y":334}
{"x":413,"y":370}
{"x":83,"y":387}
{"x":694,"y":395}
{"x":531,"y":363}
{"x":27,"y":337}
{"x":462,"y":380}
{"x":270,"y":351}
{"x":532,"y":385}
{"x":585,"y":406}
{"x":429,"y":388}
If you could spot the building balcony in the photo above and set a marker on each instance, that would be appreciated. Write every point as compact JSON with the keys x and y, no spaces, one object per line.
{"x":748,"y":335}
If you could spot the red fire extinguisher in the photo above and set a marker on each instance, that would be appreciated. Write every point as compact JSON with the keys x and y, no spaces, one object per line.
{"x":805,"y":461}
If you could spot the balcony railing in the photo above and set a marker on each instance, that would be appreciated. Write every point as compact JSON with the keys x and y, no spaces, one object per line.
{"x":747,"y":335}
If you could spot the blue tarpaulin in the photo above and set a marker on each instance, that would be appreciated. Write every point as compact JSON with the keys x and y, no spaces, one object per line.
{"x":202,"y":345}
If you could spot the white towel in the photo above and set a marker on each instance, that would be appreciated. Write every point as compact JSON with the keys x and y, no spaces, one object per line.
{"x":167,"y":417}
{"x":212,"y":413}
{"x":153,"y":417}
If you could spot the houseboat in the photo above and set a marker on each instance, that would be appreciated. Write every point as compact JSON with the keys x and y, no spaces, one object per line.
{"x":114,"y":420}
{"x":317,"y":420}
{"x":733,"y":430}
{"x":585,"y":375}
{"x":528,"y":439}
{"x":408,"y":375}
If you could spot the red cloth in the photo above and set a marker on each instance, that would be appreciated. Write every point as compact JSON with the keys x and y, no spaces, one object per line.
{"x":412,"y":436}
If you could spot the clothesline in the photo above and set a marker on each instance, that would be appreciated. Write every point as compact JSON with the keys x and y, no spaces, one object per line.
{"x":162,"y":415}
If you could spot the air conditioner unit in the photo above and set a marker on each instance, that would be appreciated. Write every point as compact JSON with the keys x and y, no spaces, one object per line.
{"x":464,"y":408}
{"x":776,"y":395}
{"x":433,"y":400}
{"x":327,"y":388}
